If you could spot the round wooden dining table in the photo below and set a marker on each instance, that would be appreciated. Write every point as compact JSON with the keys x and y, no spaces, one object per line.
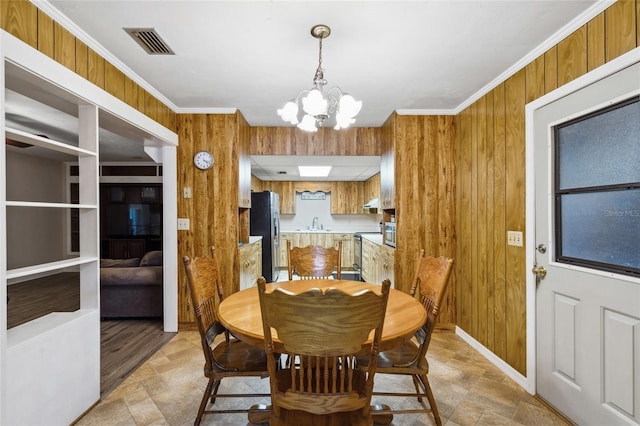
{"x":240,"y":312}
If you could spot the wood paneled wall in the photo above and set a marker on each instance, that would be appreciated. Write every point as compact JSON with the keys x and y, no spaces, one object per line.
{"x":213,"y":209}
{"x":25,"y":21}
{"x":487,"y":293}
{"x":490,"y":180}
{"x":425,"y":198}
{"x":293,"y":141}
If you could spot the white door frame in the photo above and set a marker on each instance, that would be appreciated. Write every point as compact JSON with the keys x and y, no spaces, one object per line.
{"x":599,"y":73}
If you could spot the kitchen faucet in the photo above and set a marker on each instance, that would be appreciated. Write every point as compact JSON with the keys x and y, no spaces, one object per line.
{"x":314,"y":224}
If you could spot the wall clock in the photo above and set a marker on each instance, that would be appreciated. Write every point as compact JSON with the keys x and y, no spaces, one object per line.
{"x":203,"y":160}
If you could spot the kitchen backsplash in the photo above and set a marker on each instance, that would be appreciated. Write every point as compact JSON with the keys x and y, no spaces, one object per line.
{"x":306,"y":210}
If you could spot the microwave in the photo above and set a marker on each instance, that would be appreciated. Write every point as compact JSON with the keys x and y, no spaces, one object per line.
{"x":390,"y":233}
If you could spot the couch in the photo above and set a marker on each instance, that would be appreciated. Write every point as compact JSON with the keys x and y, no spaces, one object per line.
{"x":131,"y":288}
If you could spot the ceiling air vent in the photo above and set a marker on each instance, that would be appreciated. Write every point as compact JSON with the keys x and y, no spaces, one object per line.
{"x":149,"y":40}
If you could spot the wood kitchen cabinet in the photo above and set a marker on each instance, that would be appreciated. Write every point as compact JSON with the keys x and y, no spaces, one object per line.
{"x":370,"y":253}
{"x":372,"y":188}
{"x":347,"y":197}
{"x":250,"y":256}
{"x":287,"y":193}
{"x":347,"y":248}
{"x":284,"y":236}
{"x":386,"y":263}
{"x":378,"y":262}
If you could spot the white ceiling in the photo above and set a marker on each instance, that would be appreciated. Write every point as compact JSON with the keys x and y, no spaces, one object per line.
{"x":414,"y":57}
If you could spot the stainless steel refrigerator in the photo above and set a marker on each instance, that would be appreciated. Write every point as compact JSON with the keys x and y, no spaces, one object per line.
{"x":265,"y":222}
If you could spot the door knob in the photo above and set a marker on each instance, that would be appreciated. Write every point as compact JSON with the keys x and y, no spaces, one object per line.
{"x":539,"y":271}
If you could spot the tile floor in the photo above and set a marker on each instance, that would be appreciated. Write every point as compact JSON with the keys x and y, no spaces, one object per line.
{"x":166,"y":390}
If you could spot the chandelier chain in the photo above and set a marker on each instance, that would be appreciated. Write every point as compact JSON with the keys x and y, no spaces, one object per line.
{"x":318,"y":79}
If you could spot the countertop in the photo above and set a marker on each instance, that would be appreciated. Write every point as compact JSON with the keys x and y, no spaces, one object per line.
{"x":319,"y":231}
{"x":374,"y":238}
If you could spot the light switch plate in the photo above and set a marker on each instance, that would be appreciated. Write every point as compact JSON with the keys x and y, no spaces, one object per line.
{"x":186,"y":192}
{"x":514,"y":238}
{"x":183,"y":224}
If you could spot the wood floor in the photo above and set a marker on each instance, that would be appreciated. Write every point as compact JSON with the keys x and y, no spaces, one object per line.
{"x":124,"y":344}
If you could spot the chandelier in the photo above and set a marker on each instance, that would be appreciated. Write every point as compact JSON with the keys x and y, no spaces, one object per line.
{"x":311,"y":108}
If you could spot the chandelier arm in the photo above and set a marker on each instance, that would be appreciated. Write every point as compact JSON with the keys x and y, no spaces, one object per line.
{"x":333,"y":98}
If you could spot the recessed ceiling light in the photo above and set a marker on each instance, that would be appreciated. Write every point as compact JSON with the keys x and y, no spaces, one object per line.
{"x":314,"y":171}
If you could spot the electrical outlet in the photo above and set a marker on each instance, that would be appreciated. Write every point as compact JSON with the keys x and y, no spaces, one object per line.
{"x":183,"y":224}
{"x":514,"y":238}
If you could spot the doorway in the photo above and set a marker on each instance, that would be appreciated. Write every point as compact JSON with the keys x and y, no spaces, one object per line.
{"x":583,"y":316}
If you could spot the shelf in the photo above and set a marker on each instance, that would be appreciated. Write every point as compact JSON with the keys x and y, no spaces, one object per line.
{"x":25,"y":137}
{"x":38,"y":327}
{"x":54,"y":205}
{"x":51,"y":266}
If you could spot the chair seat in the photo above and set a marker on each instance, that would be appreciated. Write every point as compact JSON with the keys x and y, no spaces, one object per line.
{"x":240,"y":357}
{"x":394,"y":359}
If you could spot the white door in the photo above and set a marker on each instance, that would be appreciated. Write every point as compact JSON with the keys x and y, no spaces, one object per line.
{"x":587,"y":318}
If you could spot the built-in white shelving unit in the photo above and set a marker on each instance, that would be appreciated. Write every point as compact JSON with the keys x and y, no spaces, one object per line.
{"x":53,"y":362}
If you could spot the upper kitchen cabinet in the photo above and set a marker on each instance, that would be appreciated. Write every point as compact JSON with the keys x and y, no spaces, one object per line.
{"x":347,"y":197}
{"x":387,"y":165}
{"x":287,"y":192}
{"x":372,"y":188}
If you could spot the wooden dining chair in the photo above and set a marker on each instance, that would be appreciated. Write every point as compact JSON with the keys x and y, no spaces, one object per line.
{"x":313,"y":262}
{"x":429,"y":285}
{"x":324,"y":331}
{"x":230,"y":357}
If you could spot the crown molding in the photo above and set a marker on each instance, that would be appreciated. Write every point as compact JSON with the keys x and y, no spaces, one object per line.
{"x":69,"y":25}
{"x":426,"y":112}
{"x":207,"y":110}
{"x":554,"y":39}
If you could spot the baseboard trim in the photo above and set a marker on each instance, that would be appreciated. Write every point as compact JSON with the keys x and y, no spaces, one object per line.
{"x":511,"y":372}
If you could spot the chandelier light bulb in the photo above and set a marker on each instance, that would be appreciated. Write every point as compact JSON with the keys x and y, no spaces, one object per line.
{"x":289,"y":112}
{"x":349,"y":106}
{"x":317,"y":107}
{"x":314,"y":103}
{"x":308,"y":124}
{"x":342,"y":121}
